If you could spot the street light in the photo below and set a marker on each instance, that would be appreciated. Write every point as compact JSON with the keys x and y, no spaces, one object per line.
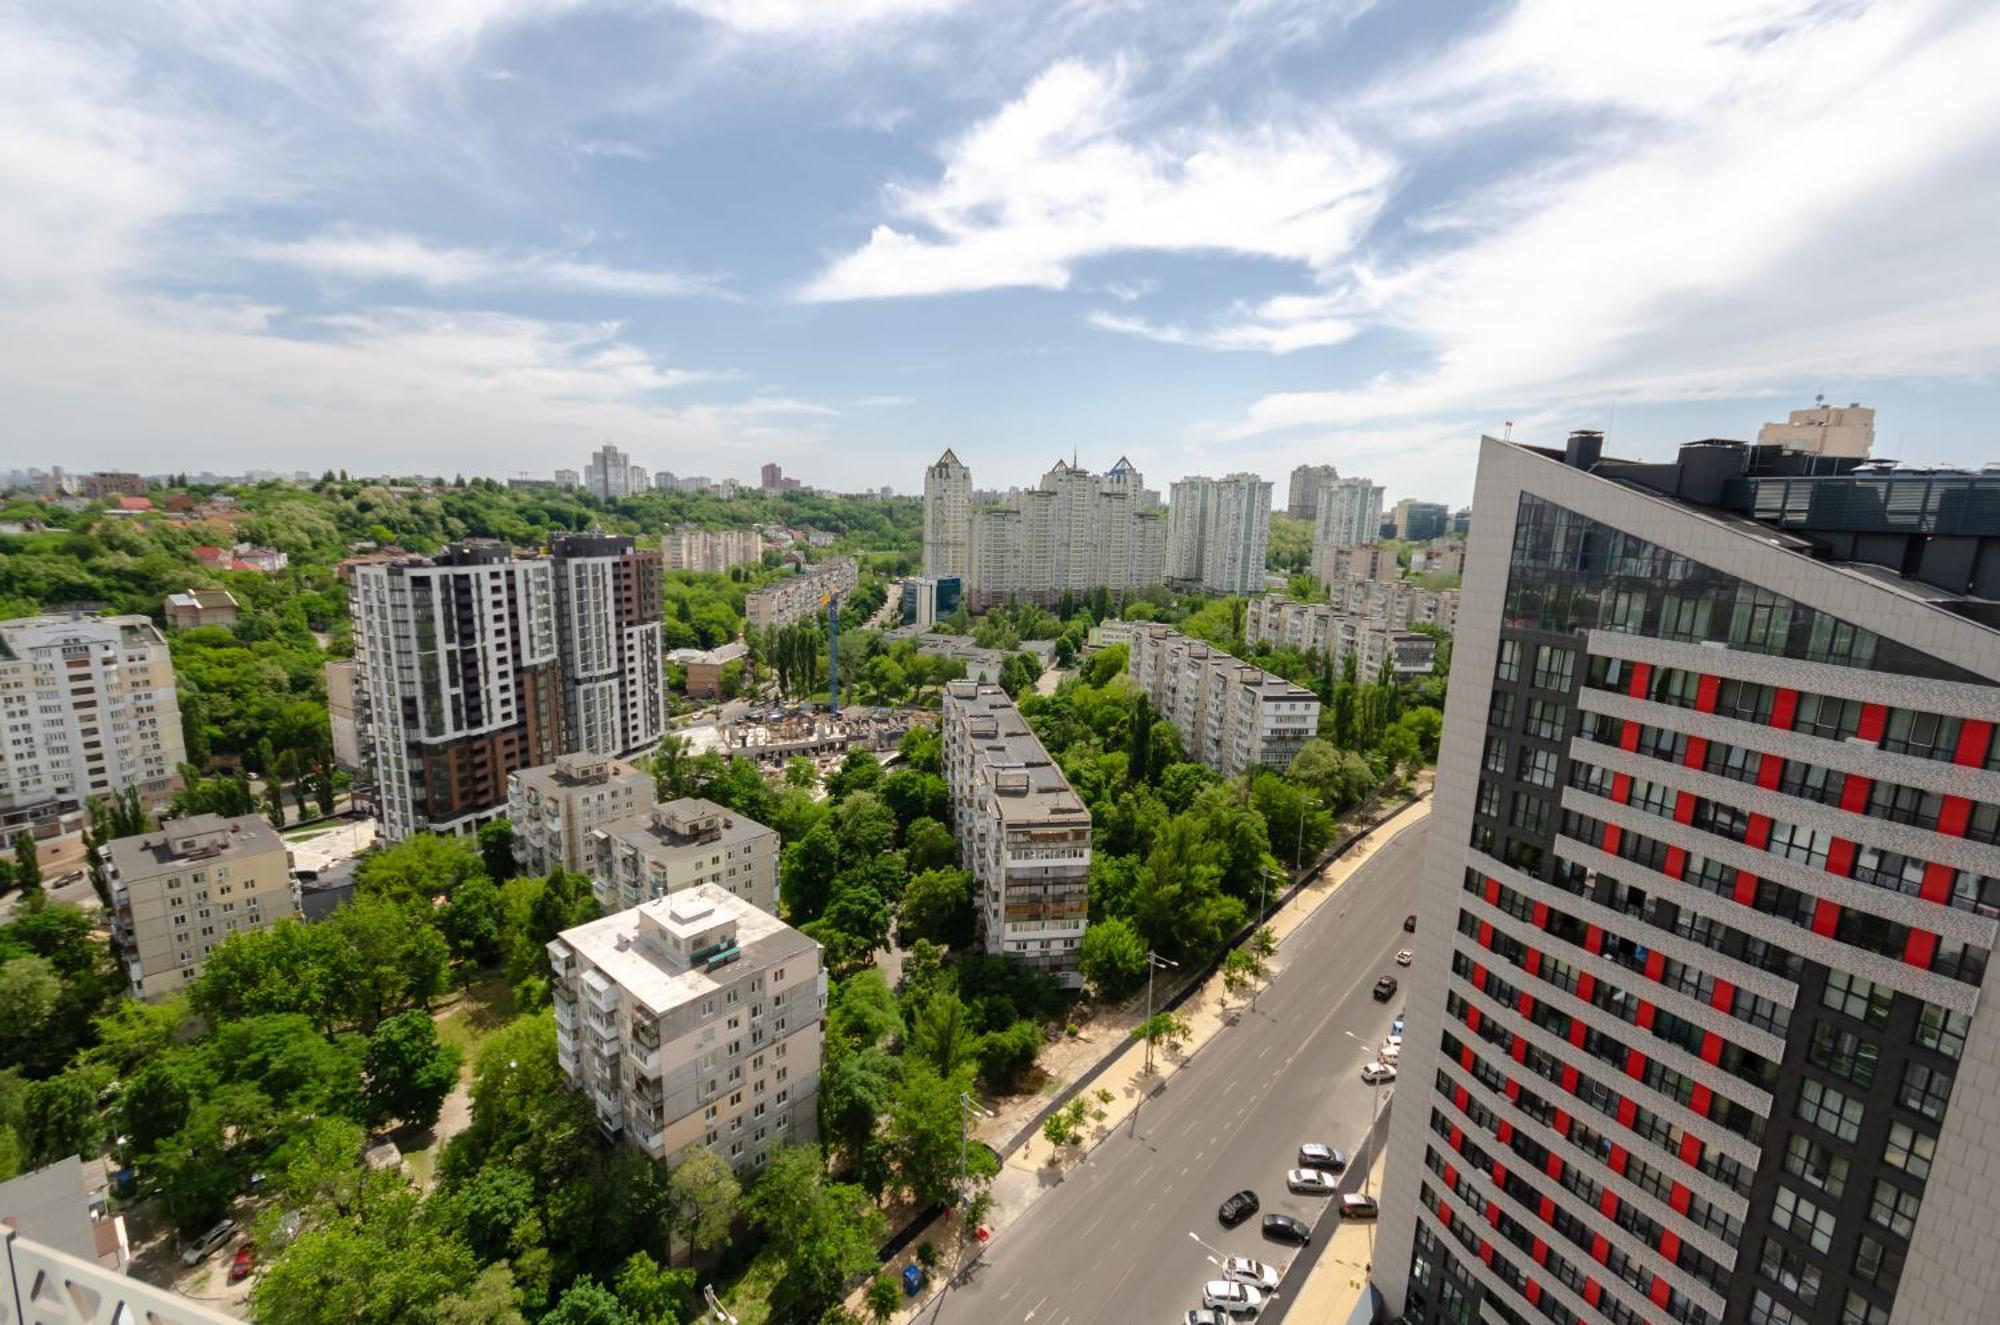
{"x":1153,"y":962}
{"x":1216,"y":1251}
{"x":967,"y":1106}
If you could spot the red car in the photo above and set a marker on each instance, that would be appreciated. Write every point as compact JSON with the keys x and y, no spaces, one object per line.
{"x":246,"y":1259}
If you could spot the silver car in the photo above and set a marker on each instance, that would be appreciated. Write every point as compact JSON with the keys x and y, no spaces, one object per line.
{"x":205,"y":1246}
{"x":1234,"y":1298}
{"x":1310,"y":1181}
{"x":1377,"y":1073}
{"x":1245,"y":1270}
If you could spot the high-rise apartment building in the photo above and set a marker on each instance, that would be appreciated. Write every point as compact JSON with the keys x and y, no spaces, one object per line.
{"x":1076,"y":532}
{"x":1824,"y":430}
{"x":554,"y":807}
{"x":177,"y":893}
{"x":1419,"y":521}
{"x":693,"y":1021}
{"x":1350,"y":514}
{"x":110,"y":484}
{"x":87,"y":708}
{"x":1695,"y":1030}
{"x":608,"y":637}
{"x":1231,"y":715}
{"x":1302,"y":498}
{"x":799,"y":596}
{"x":1336,"y":635}
{"x":610,"y":473}
{"x":680,"y":844}
{"x":688,"y":548}
{"x":1217,"y":533}
{"x":1334,"y":564}
{"x":947,"y":517}
{"x":1396,"y":603}
{"x":461,"y":682}
{"x":1022,"y":829}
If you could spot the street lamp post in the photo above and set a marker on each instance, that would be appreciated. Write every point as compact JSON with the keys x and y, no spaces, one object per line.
{"x":1153,"y":962}
{"x":967,"y":1106}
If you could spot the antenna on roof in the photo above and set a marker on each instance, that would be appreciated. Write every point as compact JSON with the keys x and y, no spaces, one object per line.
{"x":1508,"y":434}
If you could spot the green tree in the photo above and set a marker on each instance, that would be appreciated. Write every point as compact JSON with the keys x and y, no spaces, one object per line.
{"x":856,"y":1091}
{"x":937,"y":905}
{"x":420,"y":868}
{"x":704,"y":1194}
{"x":884,"y":1296}
{"x":27,"y":863}
{"x":805,"y":879}
{"x":496,"y":848}
{"x":929,"y":845}
{"x":1241,"y":970}
{"x":912,"y":796}
{"x":587,"y":1302}
{"x":1005,"y":1055}
{"x":941,"y":1035}
{"x":410,"y":1070}
{"x":924,"y":1134}
{"x":30,"y":991}
{"x":58,"y":1118}
{"x":823,"y":1233}
{"x":473,"y":921}
{"x":1112,"y":958}
{"x":654,"y":1295}
{"x":490,"y":1299}
{"x":195,"y":1172}
{"x":396,"y":1265}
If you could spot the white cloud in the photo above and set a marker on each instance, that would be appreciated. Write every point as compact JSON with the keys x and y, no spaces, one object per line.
{"x":355,"y":256}
{"x":1065,"y":173}
{"x":1279,"y":325}
{"x":611,"y":147}
{"x":1127,"y":292}
{"x":879,"y":402}
{"x":796,"y":18}
{"x":1797,"y":189}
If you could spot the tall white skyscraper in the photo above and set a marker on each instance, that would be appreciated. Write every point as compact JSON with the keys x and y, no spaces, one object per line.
{"x":1075,"y":532}
{"x":1350,"y":514}
{"x":947,"y":517}
{"x":610,"y":474}
{"x":1217,"y":532}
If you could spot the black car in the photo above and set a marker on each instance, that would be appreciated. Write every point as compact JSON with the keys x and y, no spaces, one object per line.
{"x":1385,"y":989}
{"x":1237,"y":1208}
{"x":1410,"y":922}
{"x":1284,"y":1228}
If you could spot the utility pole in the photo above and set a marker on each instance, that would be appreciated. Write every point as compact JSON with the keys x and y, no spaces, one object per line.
{"x":1153,"y":961}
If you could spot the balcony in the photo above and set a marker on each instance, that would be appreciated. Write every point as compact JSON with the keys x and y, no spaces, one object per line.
{"x":565,"y":1015}
{"x":599,"y":992}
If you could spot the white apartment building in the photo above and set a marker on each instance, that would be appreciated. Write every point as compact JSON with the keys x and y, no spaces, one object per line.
{"x":1217,"y":533}
{"x":1231,"y":715}
{"x":177,"y":893}
{"x":343,"y":712}
{"x":688,"y":548}
{"x":1302,"y":498}
{"x":947,"y":517}
{"x":801,"y":595}
{"x":610,"y":473}
{"x":460,"y":682}
{"x":554,"y":808}
{"x":87,"y":708}
{"x":608,"y":629}
{"x":1076,"y":532}
{"x":1396,"y":603}
{"x":1335,"y":563}
{"x":1350,"y":514}
{"x":681,"y":844}
{"x":1022,"y":829}
{"x":693,"y":1020}
{"x":1825,"y":430}
{"x":1335,"y":635}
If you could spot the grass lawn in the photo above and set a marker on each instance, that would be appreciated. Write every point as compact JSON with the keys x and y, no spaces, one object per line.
{"x":749,"y":1298}
{"x":308,"y":834}
{"x":478,"y":1012}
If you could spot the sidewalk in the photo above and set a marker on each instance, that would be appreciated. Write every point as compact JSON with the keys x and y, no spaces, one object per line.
{"x":1335,"y":1284}
{"x":1036,"y":1167}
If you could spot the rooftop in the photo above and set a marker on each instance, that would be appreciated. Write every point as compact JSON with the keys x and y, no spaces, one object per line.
{"x":32,"y":632}
{"x":202,"y":598}
{"x":675,"y":825}
{"x":1027,"y":783}
{"x":196,"y":837}
{"x":52,"y":1206}
{"x":578,"y":769}
{"x":627,"y":946}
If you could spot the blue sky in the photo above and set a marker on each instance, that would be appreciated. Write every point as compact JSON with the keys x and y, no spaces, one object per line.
{"x":485,"y":236}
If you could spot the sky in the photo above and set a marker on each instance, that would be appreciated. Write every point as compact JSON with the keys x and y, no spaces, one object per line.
{"x":487,"y":236}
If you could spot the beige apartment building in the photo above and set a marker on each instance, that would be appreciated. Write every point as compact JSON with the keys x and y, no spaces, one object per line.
{"x":1334,"y":564}
{"x":554,"y":808}
{"x":1337,"y":635}
{"x":680,"y":844}
{"x":200,"y":607}
{"x":688,"y":548}
{"x":801,"y":595}
{"x":693,"y":1020}
{"x":1231,"y":715}
{"x":87,"y":708}
{"x":177,"y":893}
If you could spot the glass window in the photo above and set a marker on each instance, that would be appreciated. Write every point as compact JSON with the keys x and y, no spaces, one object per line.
{"x":1857,"y":997}
{"x":1804,"y":1218}
{"x":1509,"y":666}
{"x":1925,"y":1090}
{"x":1894,"y":1209}
{"x":1500,"y":712}
{"x":1860,"y":1311}
{"x":1817,"y":1164}
{"x":1829,"y":1110}
{"x":1942,"y":1030}
{"x":1843,"y":1053}
{"x":1554,"y":667}
{"x":1910,"y":1150}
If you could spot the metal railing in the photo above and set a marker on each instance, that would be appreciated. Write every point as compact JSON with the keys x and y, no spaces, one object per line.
{"x":42,"y":1286}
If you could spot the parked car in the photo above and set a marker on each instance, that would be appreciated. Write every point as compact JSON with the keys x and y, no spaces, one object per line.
{"x":1309,"y":1181}
{"x":73,"y":876}
{"x":207,"y":1244}
{"x":1396,"y":1026}
{"x":1313,"y":1155}
{"x":1236,"y":1299}
{"x":1284,"y":1228}
{"x":1385,"y":989}
{"x":1405,"y":957}
{"x":1237,"y":1208}
{"x":1203,"y":1316}
{"x":1410,"y":923}
{"x":246,"y":1260}
{"x":1389,"y":1054}
{"x":1258,"y":1275}
{"x":1356,"y":1206}
{"x":1377,"y":1073}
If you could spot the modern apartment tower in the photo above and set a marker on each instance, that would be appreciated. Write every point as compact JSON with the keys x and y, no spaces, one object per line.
{"x":461,"y":682}
{"x":1350,"y":514}
{"x":693,"y":1021}
{"x":89,"y":709}
{"x":947,"y":517}
{"x":1695,"y":1031}
{"x":1076,"y":532}
{"x":1217,"y":533}
{"x":1023,"y":830}
{"x":608,"y":635}
{"x":1302,"y":497}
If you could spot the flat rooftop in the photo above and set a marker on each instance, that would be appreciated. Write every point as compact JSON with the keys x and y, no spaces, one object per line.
{"x":150,"y":853}
{"x":1014,"y":749}
{"x":647,"y":974}
{"x":646,"y":830}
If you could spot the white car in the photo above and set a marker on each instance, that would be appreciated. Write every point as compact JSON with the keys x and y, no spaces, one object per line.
{"x":1390,"y":1054}
{"x":1405,"y":957}
{"x":1310,"y":1181}
{"x":1376,"y":1073}
{"x":1234,"y":1298}
{"x":1244,"y":1270}
{"x":1394,"y":1039}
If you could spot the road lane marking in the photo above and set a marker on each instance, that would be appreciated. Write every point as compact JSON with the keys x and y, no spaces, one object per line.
{"x":1091,"y":1225}
{"x":1032,"y":1310}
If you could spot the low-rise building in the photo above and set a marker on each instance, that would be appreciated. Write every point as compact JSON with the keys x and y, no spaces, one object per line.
{"x":57,"y":1207}
{"x":1232,"y":715}
{"x":704,"y":667}
{"x":113,"y":484}
{"x":200,"y":607}
{"x":1335,"y":635}
{"x":1398,"y":603}
{"x":693,"y":1020}
{"x":178,"y":892}
{"x":267,"y":560}
{"x":678,"y":844}
{"x":1024,"y":833}
{"x":799,"y":596}
{"x":1335,"y":565}
{"x":554,"y":808}
{"x":929,"y":599}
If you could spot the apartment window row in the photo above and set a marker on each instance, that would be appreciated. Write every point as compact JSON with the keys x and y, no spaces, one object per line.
{"x":1629,"y":1113}
{"x":1742,"y":1063}
{"x":1455,"y":1305}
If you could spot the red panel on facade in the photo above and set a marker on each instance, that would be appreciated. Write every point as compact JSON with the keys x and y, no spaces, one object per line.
{"x":1679,"y":1198}
{"x":1444,"y":1213}
{"x":1975,"y":739}
{"x":1704,"y":693}
{"x":1547,"y":1210}
{"x":1451,"y":1176}
{"x":1635,"y":1064}
{"x":1472,"y":1019}
{"x":1539,"y":917}
{"x":1628,"y":736}
{"x":1670,"y":1246}
{"x":1534,"y":1291}
{"x":1684,"y":808}
{"x":1691,"y":1150}
{"x":1457,"y":1137}
{"x":1645,"y":1014}
{"x":1656,"y":966}
{"x":1840,"y":858}
{"x":1504,"y":1133}
{"x":1854,"y":793}
{"x":1784,"y":708}
{"x":1465,"y":1059}
{"x":1525,"y":1004}
{"x":1701,"y":1099}
{"x":1937,"y":882}
{"x":1485,"y":934}
{"x":1479,"y":978}
{"x":1493,"y":892}
{"x":1592,"y":1292}
{"x":1461,"y":1097}
{"x":1569,"y":1080}
{"x":1531,"y":962}
{"x":1608,"y":1204}
{"x":1619,"y":1158}
{"x":1642,"y":680}
{"x":1770,"y":772}
{"x":1562,"y":1126}
{"x":1613,"y":837}
{"x":1724,"y":997}
{"x":1621,"y":788}
{"x":1746,"y":888}
{"x":1628,"y":1113}
{"x":1593,"y":939}
{"x":1553,"y":1165}
{"x":1676,"y":863}
{"x":1661,"y":1292}
{"x":1493,"y":1214}
{"x":1874,"y":717}
{"x":1485,"y":1247}
{"x":1920,"y":948}
{"x":1954,"y":815}
{"x":1586,"y":986}
{"x":1757,"y":833}
{"x":1499,"y":1177}
{"x":1577,"y":1030}
{"x":1540,"y":1251}
{"x":1711,"y":1047}
{"x":1697,"y":752}
{"x":1826,"y":918}
{"x":1520,"y":1049}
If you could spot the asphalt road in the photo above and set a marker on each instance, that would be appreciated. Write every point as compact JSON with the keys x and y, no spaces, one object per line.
{"x":1111,"y":1243}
